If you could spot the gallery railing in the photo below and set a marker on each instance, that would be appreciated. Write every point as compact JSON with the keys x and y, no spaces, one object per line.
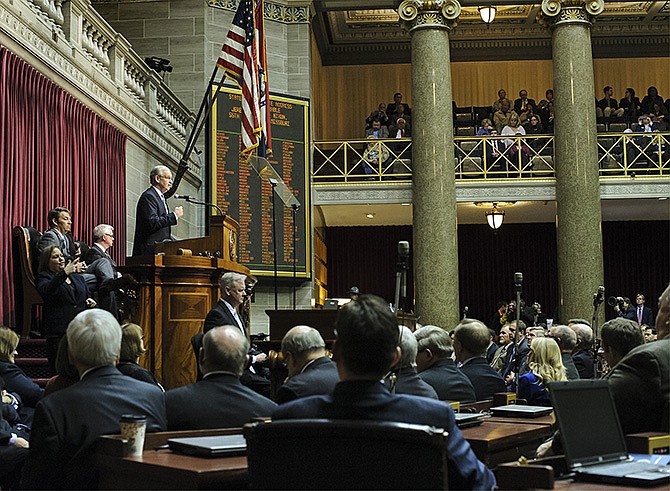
{"x":487,"y":158}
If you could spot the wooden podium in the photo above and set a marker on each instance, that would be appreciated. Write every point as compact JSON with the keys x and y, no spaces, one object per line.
{"x":177,"y":290}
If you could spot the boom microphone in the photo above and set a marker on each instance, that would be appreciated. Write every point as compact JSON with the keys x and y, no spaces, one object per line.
{"x":182,"y":196}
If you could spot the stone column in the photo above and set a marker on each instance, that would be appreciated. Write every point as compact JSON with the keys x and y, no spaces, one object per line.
{"x":434,"y":190}
{"x":578,"y":216}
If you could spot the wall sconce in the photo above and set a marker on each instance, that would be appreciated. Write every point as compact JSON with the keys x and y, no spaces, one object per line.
{"x":495,"y":217}
{"x":487,"y":14}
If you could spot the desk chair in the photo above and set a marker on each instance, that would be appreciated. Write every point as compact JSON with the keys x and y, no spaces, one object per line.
{"x":342,"y":454}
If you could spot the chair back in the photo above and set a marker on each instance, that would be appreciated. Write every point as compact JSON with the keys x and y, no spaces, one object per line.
{"x":342,"y":454}
{"x":25,"y":272}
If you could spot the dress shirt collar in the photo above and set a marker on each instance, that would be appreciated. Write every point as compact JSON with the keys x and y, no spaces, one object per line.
{"x":219,"y":372}
{"x":158,"y":192}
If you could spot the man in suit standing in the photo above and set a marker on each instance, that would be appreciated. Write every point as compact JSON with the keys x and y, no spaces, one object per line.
{"x":435,"y":366}
{"x":310,"y":371}
{"x":105,"y":269}
{"x":233,"y":293}
{"x":643,"y":314}
{"x":219,"y":400}
{"x":471,"y":338}
{"x":68,"y":422}
{"x":365,"y":349}
{"x":153,"y":219}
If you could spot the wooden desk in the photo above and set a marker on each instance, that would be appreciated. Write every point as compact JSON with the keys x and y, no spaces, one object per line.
{"x":495,"y":442}
{"x":548,"y":420}
{"x":162,"y":469}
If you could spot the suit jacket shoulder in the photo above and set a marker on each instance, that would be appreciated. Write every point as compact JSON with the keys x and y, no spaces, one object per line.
{"x":218,"y":316}
{"x":320,"y":377}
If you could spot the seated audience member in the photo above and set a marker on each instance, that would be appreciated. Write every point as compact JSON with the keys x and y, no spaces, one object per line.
{"x":380,"y":114}
{"x":500,"y":317}
{"x":365,"y":349}
{"x":493,"y":146}
{"x":640,"y":381}
{"x":619,"y":336}
{"x":627,"y":312}
{"x":377,"y":130}
{"x":650,"y":99}
{"x":310,"y":370}
{"x":66,"y":372}
{"x":436,"y":367}
{"x":582,"y":354}
{"x":219,"y":400}
{"x":393,"y":106}
{"x":534,"y":127}
{"x":502,"y":115}
{"x":13,"y":453}
{"x":400,"y":129}
{"x":608,"y":106}
{"x":649,"y":334}
{"x":504,"y":352}
{"x":493,"y":347}
{"x":404,"y":378}
{"x":659,"y":115}
{"x":64,"y":294}
{"x":630,"y":104}
{"x":545,"y":109}
{"x":68,"y":423}
{"x":527,"y":113}
{"x":471,"y":338}
{"x":518,"y":362}
{"x":399,"y":113}
{"x":545,"y":365}
{"x":132,"y":347}
{"x":16,"y":380}
{"x":534,"y":332}
{"x":567,"y":340}
{"x":514,"y":128}
{"x":521,"y":104}
{"x":101,"y":264}
{"x":502,"y":97}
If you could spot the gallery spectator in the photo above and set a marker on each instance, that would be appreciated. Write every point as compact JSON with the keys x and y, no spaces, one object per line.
{"x":502,"y":96}
{"x":393,"y":106}
{"x":630,"y":104}
{"x":608,"y":106}
{"x":650,"y":99}
{"x":400,"y":129}
{"x":380,"y":114}
{"x":520,"y":104}
{"x":501,"y":116}
{"x":377,"y":130}
{"x":399,"y":113}
{"x":545,"y":110}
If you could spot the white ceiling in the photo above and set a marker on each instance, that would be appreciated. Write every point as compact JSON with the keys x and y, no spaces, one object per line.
{"x":468,"y":213}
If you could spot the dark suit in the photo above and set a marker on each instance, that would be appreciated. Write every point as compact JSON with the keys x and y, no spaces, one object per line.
{"x":105,"y":270}
{"x":68,"y":423}
{"x":11,"y":457}
{"x":153,"y":223}
{"x":484,"y":379}
{"x":518,"y":103}
{"x":318,"y":377}
{"x":584,"y":363}
{"x":640,"y":385}
{"x":449,"y":382}
{"x":137,"y":372}
{"x":490,"y":352}
{"x":409,"y":382}
{"x":217,"y":401}
{"x":17,"y":381}
{"x":52,"y":237}
{"x":570,"y":369}
{"x":647,"y":316}
{"x":220,"y":315}
{"x":61,"y":304}
{"x":371,"y":400}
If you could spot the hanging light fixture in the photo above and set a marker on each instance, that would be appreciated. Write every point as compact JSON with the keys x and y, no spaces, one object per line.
{"x":495,"y":217}
{"x":487,"y":14}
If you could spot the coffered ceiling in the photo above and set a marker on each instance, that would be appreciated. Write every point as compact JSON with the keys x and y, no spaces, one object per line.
{"x":369,"y":31}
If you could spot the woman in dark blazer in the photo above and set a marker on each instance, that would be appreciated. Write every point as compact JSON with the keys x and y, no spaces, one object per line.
{"x":64,"y":293}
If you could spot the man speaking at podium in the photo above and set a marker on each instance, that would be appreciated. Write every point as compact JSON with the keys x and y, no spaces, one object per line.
{"x":153,"y":219}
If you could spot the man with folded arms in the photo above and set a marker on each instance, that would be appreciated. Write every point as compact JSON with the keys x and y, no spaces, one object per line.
{"x":310,"y":370}
{"x":68,"y":422}
{"x":219,"y":400}
{"x":366,"y":347}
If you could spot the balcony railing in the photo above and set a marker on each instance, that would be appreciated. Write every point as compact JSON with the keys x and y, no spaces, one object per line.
{"x":485,"y":158}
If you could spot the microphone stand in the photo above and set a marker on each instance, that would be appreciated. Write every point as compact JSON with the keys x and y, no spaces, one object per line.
{"x":188,"y":199}
{"x":517,"y":289}
{"x":273,"y":183}
{"x":598,"y":298}
{"x":400,"y":278}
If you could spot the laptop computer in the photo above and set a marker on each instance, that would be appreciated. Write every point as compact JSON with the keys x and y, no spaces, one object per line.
{"x":209,"y":446}
{"x":593,"y":442}
{"x":521,"y":411}
{"x":466,"y":420}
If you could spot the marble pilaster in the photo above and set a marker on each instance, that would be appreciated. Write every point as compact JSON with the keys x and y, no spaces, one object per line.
{"x":434,"y":221}
{"x":578,"y":214}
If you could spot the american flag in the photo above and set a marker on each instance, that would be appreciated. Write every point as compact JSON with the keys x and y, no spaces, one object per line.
{"x":265,"y":143}
{"x":239,"y":59}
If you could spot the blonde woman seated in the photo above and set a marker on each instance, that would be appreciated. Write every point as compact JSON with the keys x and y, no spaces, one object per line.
{"x":132,"y":347}
{"x":514,"y":128}
{"x":544,"y":361}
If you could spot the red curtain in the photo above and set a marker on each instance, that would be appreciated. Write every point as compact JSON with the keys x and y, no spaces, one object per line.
{"x":54,"y":152}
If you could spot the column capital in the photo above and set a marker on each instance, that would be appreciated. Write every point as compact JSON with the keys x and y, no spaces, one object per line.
{"x":556,"y":12}
{"x":429,"y":14}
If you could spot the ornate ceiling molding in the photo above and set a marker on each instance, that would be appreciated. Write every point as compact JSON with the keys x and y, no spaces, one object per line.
{"x":286,"y":14}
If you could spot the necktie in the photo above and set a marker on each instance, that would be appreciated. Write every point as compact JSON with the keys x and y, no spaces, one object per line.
{"x":239,"y":321}
{"x":639,"y":315}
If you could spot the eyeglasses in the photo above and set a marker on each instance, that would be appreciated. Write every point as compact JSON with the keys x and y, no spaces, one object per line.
{"x":110,"y":235}
{"x":169,"y":178}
